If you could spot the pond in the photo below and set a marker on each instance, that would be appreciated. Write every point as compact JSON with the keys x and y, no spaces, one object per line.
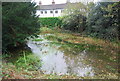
{"x":63,"y":62}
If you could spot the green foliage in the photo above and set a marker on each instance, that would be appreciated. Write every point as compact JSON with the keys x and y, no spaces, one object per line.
{"x":76,"y":8}
{"x":37,"y":40}
{"x":69,"y":46}
{"x":44,"y":29}
{"x":28,"y":62}
{"x":50,"y":22}
{"x":19,"y":22}
{"x":51,"y":37}
{"x":102,"y":21}
{"x":75,"y":17}
{"x":97,"y":20}
{"x":74,"y":22}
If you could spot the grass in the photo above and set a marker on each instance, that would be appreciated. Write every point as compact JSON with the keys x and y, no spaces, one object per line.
{"x":90,"y":43}
{"x":25,"y":65}
{"x":46,"y":30}
{"x":71,"y":37}
{"x":37,"y":40}
{"x":21,"y":66}
{"x":10,"y":71}
{"x":101,"y":50}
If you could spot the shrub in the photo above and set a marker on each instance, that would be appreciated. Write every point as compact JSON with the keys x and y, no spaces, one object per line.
{"x":50,"y":22}
{"x":74,"y":22}
{"x":28,"y":62}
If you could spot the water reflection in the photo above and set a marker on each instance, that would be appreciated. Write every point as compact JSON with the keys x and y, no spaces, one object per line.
{"x":56,"y":61}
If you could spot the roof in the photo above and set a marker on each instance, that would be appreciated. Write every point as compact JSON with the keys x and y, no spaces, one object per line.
{"x":51,"y":7}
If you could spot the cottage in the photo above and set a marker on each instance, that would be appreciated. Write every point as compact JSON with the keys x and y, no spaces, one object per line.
{"x":52,"y":10}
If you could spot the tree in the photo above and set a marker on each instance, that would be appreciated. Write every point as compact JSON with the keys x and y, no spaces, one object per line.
{"x":114,"y":14}
{"x":74,"y":22}
{"x":18,"y":22}
{"x":75,"y":17}
{"x":102,"y":22}
{"x":75,"y":8}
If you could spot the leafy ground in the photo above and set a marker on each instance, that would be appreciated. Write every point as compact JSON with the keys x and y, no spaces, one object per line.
{"x":86,"y":42}
{"x":105,"y":53}
{"x":23,"y":66}
{"x":77,"y":38}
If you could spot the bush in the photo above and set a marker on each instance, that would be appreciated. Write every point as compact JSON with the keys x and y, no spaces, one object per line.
{"x":74,"y":22}
{"x":50,"y":22}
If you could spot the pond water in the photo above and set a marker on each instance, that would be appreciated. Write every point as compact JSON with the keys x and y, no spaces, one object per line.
{"x":60,"y":62}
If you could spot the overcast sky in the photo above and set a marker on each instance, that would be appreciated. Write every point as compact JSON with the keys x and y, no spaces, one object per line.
{"x":46,"y":2}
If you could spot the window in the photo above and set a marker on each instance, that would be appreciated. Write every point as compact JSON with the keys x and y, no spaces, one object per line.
{"x":56,"y":11}
{"x":51,"y":11}
{"x":45,"y":12}
{"x":41,"y":12}
{"x":61,"y":11}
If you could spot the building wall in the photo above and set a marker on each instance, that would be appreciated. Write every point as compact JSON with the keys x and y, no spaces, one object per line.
{"x":56,"y":13}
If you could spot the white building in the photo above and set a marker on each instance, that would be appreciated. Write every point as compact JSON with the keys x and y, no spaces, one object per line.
{"x":53,"y":10}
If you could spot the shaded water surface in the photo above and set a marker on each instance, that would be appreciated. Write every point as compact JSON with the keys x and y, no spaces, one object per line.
{"x":59,"y":62}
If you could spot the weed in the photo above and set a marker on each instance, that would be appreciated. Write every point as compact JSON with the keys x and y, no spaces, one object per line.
{"x":37,"y":40}
{"x":28,"y":62}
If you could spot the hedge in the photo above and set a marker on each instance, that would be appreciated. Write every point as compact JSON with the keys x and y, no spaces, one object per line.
{"x":50,"y":22}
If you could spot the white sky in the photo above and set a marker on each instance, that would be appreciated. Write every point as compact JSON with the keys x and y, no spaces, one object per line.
{"x":46,"y":2}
